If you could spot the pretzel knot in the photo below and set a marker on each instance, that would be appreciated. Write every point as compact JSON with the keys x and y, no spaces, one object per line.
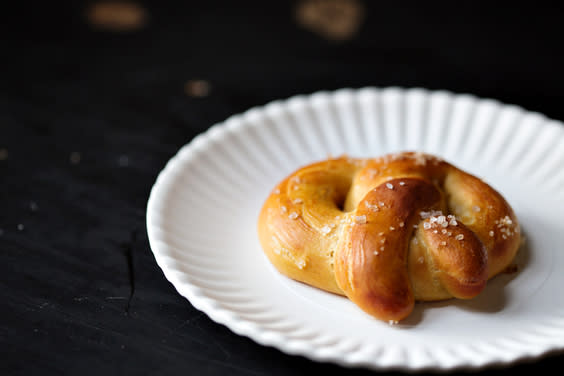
{"x":389,"y":231}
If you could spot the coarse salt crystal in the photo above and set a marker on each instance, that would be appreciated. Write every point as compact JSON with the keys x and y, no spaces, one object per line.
{"x":424,"y":214}
{"x":360,"y":219}
{"x":389,"y":185}
{"x":372,"y":172}
{"x":293,"y":215}
{"x":459,"y":237}
{"x":373,"y":207}
{"x":420,"y":159}
{"x":326,"y":229}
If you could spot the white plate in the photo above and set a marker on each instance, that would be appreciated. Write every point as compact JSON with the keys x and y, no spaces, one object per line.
{"x":202,"y":213}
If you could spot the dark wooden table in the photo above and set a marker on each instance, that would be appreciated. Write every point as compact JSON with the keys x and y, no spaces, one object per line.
{"x":93,"y":103}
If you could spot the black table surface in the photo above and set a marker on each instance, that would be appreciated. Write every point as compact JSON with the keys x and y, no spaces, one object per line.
{"x":90,"y":113}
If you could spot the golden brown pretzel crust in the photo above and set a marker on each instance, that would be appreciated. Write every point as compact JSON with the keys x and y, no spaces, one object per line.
{"x":388,"y":231}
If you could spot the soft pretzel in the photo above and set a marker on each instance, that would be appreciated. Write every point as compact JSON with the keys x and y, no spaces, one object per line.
{"x":389,"y":231}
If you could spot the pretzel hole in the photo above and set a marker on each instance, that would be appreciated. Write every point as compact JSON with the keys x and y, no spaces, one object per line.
{"x":340,"y":194}
{"x":340,"y":201}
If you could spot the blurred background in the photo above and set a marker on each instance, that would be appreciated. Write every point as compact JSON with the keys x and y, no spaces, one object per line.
{"x":96,"y":97}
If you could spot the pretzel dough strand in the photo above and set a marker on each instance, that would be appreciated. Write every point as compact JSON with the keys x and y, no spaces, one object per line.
{"x":388,"y":231}
{"x":381,"y":284}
